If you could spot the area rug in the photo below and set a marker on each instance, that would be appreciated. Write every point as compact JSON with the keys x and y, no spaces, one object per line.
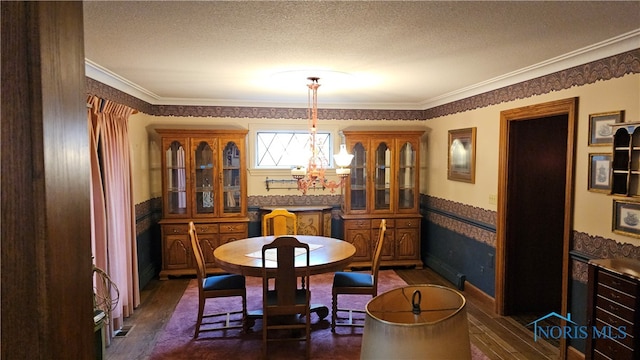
{"x":176,"y":341}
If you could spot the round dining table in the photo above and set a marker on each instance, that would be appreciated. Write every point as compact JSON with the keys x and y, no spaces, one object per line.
{"x":244,"y":257}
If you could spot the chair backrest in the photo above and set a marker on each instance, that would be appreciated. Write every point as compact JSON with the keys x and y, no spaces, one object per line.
{"x":286,"y":282}
{"x":201,"y":270}
{"x":375,"y":264}
{"x":277,"y":221}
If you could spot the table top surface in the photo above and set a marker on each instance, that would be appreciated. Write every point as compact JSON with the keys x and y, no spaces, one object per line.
{"x":331,"y":255}
{"x":622,"y":266}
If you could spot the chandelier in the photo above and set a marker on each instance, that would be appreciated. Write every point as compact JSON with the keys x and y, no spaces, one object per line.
{"x":314,"y":174}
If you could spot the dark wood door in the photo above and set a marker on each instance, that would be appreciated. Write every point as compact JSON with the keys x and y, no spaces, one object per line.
{"x":535,"y":217}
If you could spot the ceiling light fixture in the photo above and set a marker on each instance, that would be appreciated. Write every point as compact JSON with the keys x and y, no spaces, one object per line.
{"x":314,"y":174}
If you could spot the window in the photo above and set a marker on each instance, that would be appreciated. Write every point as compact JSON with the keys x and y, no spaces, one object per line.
{"x":286,"y":149}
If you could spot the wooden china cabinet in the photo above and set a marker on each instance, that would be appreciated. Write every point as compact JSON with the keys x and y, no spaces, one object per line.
{"x":384,"y":184}
{"x":204,"y":181}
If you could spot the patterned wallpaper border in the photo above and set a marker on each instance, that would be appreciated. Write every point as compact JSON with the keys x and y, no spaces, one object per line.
{"x":460,"y":218}
{"x":147,"y":213}
{"x":597,"y":247}
{"x":461,"y":210}
{"x":468,"y":230}
{"x":608,"y":68}
{"x":470,"y":221}
{"x":605,"y":69}
{"x":293,"y":200}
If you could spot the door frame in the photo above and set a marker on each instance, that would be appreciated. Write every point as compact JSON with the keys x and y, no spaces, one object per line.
{"x":567,"y":107}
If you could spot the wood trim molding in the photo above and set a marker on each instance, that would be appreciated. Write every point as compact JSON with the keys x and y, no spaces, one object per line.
{"x":574,"y":354}
{"x":553,"y":108}
{"x":615,"y":66}
{"x":471,"y":291}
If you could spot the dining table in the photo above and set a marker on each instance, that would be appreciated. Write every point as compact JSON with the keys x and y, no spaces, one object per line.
{"x":244,"y":256}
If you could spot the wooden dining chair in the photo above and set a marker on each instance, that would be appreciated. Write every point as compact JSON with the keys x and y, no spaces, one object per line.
{"x":283,"y":300}
{"x":215,"y":287}
{"x":279,"y":222}
{"x":357,"y":283}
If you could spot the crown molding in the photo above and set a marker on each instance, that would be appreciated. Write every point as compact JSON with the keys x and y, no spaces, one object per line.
{"x":614,"y":46}
{"x":617,"y":45}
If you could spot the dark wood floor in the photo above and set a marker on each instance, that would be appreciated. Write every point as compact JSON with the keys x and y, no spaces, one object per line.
{"x":497,"y":336}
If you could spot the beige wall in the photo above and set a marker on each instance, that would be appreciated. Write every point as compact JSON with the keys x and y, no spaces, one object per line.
{"x":592,"y":210}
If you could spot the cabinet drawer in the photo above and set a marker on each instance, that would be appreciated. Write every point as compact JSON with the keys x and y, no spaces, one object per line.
{"x":615,"y":308}
{"x":614,"y":320}
{"x":225,"y":238}
{"x":619,"y":283}
{"x":616,"y":296}
{"x":207,"y":228}
{"x":407,"y":223}
{"x":612,"y":349}
{"x":624,"y":335}
{"x":227,"y":228}
{"x":357,"y":224}
{"x":175,"y":229}
{"x":375,"y":223}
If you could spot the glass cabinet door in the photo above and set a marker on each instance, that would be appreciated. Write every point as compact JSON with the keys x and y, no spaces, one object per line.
{"x":358,"y":185}
{"x":406,"y":177}
{"x":176,"y":172}
{"x":382,"y":177}
{"x":203,"y":159}
{"x":231,"y":190}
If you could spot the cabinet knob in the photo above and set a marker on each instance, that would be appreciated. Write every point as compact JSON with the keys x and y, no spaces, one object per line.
{"x":204,"y":228}
{"x":175,"y":231}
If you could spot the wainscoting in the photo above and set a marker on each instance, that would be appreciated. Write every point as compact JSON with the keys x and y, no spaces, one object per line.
{"x":458,"y":245}
{"x":148,"y":240}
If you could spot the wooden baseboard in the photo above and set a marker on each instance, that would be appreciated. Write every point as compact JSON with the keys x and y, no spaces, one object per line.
{"x":574,"y":354}
{"x":481,"y":296}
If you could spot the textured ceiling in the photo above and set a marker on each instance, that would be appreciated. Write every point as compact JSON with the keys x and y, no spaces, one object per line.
{"x":368,"y":54}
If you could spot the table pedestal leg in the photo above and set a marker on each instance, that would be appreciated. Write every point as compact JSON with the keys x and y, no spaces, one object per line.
{"x":320,"y":310}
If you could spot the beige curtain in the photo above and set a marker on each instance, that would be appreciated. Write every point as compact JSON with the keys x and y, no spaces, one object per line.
{"x":113,"y":234}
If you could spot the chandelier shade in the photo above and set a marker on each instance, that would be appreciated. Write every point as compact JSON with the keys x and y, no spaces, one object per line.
{"x":313,"y":175}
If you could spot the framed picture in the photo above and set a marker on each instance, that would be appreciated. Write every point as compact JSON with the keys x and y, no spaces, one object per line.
{"x":600,"y":132}
{"x":462,"y":155}
{"x":626,"y":218}
{"x":600,"y":173}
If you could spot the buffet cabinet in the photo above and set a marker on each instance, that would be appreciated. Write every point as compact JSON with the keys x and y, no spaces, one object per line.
{"x":384,"y":184}
{"x":204,"y":181}
{"x":312,"y":220}
{"x":613,"y":308}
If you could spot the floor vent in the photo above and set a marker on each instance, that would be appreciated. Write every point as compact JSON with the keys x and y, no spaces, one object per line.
{"x":124,"y":331}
